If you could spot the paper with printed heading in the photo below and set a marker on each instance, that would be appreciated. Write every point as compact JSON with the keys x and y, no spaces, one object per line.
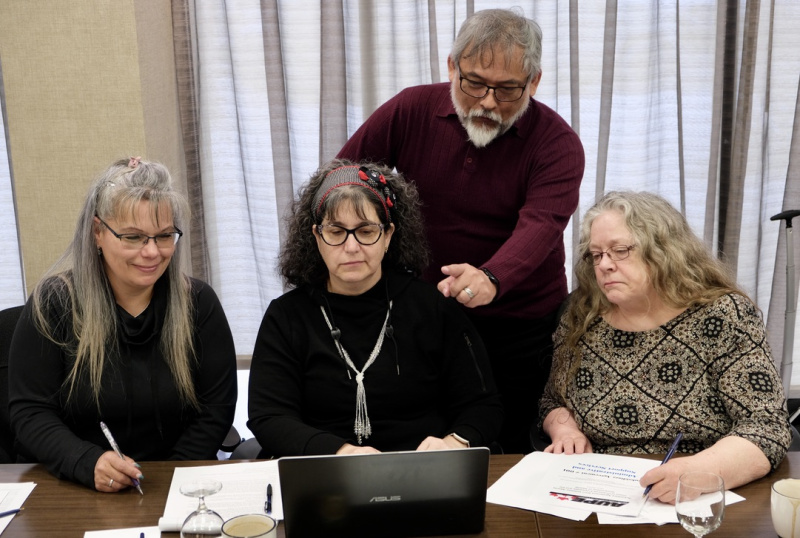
{"x":573,"y":486}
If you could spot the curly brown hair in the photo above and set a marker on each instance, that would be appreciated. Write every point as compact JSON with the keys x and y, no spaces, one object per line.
{"x":300,"y":260}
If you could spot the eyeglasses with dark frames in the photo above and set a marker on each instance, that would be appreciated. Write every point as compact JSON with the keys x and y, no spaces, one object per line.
{"x":164,"y":240}
{"x":335,"y":235}
{"x":479,"y":90}
{"x":616,"y":253}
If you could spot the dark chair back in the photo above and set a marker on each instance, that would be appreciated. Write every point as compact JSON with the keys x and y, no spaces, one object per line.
{"x":8,"y":322}
{"x":247,"y":450}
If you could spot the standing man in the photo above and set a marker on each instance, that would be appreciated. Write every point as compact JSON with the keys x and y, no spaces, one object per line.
{"x":499,"y":176}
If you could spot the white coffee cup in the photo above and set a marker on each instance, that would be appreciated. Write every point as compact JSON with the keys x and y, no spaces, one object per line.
{"x":785,"y":505}
{"x":250,"y":526}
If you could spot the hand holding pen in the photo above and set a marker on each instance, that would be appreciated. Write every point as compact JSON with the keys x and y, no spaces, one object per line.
{"x":114,"y":446}
{"x":670,"y":452}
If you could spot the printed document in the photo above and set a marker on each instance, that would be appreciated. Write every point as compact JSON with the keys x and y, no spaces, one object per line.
{"x":244,"y":491}
{"x":574,"y":486}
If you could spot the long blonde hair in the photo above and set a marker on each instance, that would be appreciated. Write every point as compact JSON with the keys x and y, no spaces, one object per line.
{"x":681,"y":268}
{"x":77,"y":282}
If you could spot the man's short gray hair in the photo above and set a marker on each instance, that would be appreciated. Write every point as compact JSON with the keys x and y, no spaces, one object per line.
{"x":492,"y":30}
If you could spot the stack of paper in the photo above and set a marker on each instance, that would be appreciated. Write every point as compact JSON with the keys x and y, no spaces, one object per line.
{"x":12,"y":496}
{"x":574,"y":486}
{"x":244,"y":491}
{"x":142,"y":532}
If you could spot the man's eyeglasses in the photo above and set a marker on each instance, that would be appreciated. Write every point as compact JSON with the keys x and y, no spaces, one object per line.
{"x":334,"y":235}
{"x":617,"y":253}
{"x":165,"y":240}
{"x":479,"y":90}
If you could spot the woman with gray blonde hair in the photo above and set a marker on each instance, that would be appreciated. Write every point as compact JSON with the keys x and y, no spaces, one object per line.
{"x":658,"y":340}
{"x":360,"y":327}
{"x":115,"y":332}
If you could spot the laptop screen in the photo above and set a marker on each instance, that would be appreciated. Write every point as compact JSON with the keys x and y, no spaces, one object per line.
{"x":391,"y":494}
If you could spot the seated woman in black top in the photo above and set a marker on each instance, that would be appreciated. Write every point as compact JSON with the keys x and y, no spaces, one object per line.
{"x":115,"y":332}
{"x":362,"y":356}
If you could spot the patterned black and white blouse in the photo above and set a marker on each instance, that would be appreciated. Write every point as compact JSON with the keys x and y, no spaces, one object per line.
{"x":707,"y":373}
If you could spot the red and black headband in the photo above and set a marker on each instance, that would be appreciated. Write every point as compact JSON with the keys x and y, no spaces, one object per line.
{"x":360,"y":176}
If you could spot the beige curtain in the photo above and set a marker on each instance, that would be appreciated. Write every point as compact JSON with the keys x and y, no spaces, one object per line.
{"x":696,"y":101}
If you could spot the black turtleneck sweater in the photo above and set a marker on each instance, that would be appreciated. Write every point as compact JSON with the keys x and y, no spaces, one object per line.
{"x":302,"y":396}
{"x":138,"y":399}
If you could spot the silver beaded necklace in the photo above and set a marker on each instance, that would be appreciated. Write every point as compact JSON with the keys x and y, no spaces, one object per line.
{"x":361,"y":427}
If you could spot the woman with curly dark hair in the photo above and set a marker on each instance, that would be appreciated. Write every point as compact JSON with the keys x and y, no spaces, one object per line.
{"x":361,"y":327}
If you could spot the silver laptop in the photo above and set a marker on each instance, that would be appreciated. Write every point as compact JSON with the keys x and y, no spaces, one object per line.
{"x":391,"y":494}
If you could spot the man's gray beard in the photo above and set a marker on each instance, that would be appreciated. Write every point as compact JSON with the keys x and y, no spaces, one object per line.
{"x":480,"y":136}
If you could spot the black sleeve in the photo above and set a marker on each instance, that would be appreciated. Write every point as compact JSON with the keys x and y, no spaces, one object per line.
{"x":214,"y":379}
{"x":275,"y":393}
{"x":474,"y":401}
{"x":38,"y":368}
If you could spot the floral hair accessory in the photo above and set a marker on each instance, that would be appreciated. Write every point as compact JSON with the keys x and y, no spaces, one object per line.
{"x":134,"y":162}
{"x":362,"y":176}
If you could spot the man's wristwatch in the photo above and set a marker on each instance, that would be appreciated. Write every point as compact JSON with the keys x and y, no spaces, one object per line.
{"x":492,"y":278}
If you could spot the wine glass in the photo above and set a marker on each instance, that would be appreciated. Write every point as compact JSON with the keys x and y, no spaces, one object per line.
{"x":700,"y":503}
{"x":202,"y":523}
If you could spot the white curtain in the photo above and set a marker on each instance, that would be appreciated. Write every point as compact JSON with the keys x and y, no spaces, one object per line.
{"x":241,"y":215}
{"x":639,"y":80}
{"x":12,"y":283}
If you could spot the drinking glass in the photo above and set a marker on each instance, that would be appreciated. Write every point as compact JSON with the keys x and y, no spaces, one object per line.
{"x":700,"y":503}
{"x":202,"y":523}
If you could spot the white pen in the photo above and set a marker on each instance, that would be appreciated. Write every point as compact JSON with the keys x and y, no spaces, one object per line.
{"x":114,"y":445}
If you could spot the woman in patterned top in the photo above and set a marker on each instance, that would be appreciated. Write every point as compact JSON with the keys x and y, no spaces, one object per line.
{"x":658,"y":339}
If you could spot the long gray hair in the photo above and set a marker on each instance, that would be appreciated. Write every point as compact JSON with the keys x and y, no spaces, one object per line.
{"x":682,"y":270}
{"x":505,"y":30}
{"x":78,"y":282}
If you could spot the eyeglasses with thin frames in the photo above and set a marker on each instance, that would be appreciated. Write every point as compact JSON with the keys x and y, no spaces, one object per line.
{"x":164,"y":240}
{"x":479,"y":90}
{"x":616,"y":253}
{"x":335,"y":235}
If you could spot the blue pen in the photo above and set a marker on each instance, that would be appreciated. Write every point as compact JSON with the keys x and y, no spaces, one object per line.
{"x":670,"y":452}
{"x":114,"y":445}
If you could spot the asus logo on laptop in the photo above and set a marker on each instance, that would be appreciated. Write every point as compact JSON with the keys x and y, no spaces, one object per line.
{"x":385,"y":499}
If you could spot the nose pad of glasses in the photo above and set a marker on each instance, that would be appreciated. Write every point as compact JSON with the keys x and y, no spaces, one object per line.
{"x":494,"y":102}
{"x":351,"y":235}
{"x":606,"y":259}
{"x":150,"y":243}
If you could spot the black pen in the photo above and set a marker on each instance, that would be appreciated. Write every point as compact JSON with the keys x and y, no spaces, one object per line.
{"x":10,"y":512}
{"x":670,"y":452}
{"x":268,"y":504}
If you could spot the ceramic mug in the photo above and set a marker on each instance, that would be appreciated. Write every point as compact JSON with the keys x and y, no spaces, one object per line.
{"x":785,"y":506}
{"x":250,"y":526}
